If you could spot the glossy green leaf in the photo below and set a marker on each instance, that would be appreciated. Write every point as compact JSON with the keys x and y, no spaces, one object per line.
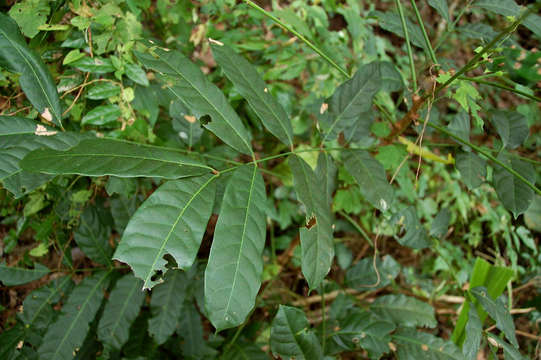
{"x":171,"y":221}
{"x":102,"y":115}
{"x":512,"y":127}
{"x":362,"y":276}
{"x":102,"y":90}
{"x":38,"y":305}
{"x":350,"y":100}
{"x":473,"y":169}
{"x":404,"y":310}
{"x":30,"y":15}
{"x":186,"y":81}
{"x":35,"y":80}
{"x":441,"y":7}
{"x":11,"y":275}
{"x":474,"y":335}
{"x":251,"y":86}
{"x":120,"y":311}
{"x":502,"y":7}
{"x":497,"y":311}
{"x":136,"y":74}
{"x":513,"y":193}
{"x":371,"y":177}
{"x":99,"y":157}
{"x":95,"y":65}
{"x":92,"y":237}
{"x":233,"y":274}
{"x":317,"y":240}
{"x":65,"y":336}
{"x":416,"y":236}
{"x":361,"y":329}
{"x":416,"y":345}
{"x":510,"y":353}
{"x":166,"y":303}
{"x":291,"y":336}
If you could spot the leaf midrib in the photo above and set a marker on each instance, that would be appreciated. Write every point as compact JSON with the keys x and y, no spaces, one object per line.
{"x":123,"y":309}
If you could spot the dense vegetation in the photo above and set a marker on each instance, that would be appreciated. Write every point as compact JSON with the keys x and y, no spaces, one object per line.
{"x":275,"y":179}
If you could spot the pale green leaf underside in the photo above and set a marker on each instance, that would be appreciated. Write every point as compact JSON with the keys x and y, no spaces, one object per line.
{"x":99,"y":157}
{"x":120,"y":311}
{"x":35,"y":80}
{"x":70,"y":329}
{"x":233,"y":274}
{"x":251,"y":86}
{"x":186,"y":81}
{"x":171,"y":221}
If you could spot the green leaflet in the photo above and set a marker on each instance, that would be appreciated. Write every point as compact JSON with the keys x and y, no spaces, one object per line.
{"x":404,"y":310}
{"x":473,"y":169}
{"x":416,"y":236}
{"x":502,"y":7}
{"x":186,"y":81}
{"x":120,"y":311}
{"x":474,"y":335}
{"x":350,"y":101}
{"x":417,"y":345}
{"x":233,"y":274}
{"x":251,"y":86}
{"x":102,"y":115}
{"x":317,"y":240}
{"x":35,"y":80}
{"x":441,"y":7}
{"x":497,"y":311}
{"x":18,"y":137}
{"x":363,"y":329}
{"x":92,"y":236}
{"x":291,"y":336}
{"x":69,"y":330}
{"x":11,"y":276}
{"x":371,"y":177}
{"x":99,"y":157}
{"x":166,"y":303}
{"x":171,"y":221}
{"x":37,"y":306}
{"x":102,"y":90}
{"x":512,"y":127}
{"x":514,"y":194}
{"x":460,"y":125}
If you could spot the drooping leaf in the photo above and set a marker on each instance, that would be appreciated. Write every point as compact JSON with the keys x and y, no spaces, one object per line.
{"x":474,"y":335}
{"x":502,"y":7}
{"x":404,"y":310}
{"x":251,"y":86}
{"x":166,"y":303}
{"x":233,"y":274}
{"x":291,"y":336}
{"x":416,"y":236}
{"x":120,"y":311}
{"x":99,"y":157}
{"x":37,"y":306}
{"x":191,"y":329}
{"x":350,"y":100}
{"x":68,"y":332}
{"x":512,"y":127}
{"x":317,"y":237}
{"x":416,"y":345}
{"x":371,"y":177}
{"x":171,"y":221}
{"x":363,"y":277}
{"x":361,"y":329}
{"x":191,"y":86}
{"x":441,"y":7}
{"x":92,"y":236}
{"x":35,"y":80}
{"x":11,"y":275}
{"x":513,"y":193}
{"x":497,"y":311}
{"x":473,"y":169}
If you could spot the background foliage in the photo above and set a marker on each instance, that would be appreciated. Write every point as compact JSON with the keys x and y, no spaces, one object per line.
{"x":323,"y":179}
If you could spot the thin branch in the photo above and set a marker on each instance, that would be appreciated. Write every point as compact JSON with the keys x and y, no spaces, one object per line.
{"x":408,"y":45}
{"x":429,"y":48}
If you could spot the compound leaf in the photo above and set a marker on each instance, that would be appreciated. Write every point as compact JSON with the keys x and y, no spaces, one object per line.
{"x":233,"y":274}
{"x":186,"y":81}
{"x":35,"y":80}
{"x":251,"y":86}
{"x":404,"y":310}
{"x":68,"y":332}
{"x":120,"y":311}
{"x":291,"y":336}
{"x":99,"y":157}
{"x":171,"y":221}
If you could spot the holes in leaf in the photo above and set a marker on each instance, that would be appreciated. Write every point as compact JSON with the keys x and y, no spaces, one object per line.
{"x":311,"y":222}
{"x":157,"y":275}
{"x":205,"y":119}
